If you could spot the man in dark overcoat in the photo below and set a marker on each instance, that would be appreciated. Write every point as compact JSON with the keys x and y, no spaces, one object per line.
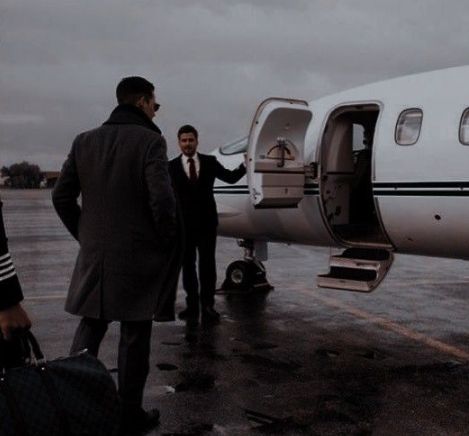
{"x":193,"y":175}
{"x":125,"y":226}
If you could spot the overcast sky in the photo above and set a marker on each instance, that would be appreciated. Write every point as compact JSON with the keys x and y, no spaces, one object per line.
{"x":212,"y":61}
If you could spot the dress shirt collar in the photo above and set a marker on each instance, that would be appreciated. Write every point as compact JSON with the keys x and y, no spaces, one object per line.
{"x":185,"y":164}
{"x":185,"y":159}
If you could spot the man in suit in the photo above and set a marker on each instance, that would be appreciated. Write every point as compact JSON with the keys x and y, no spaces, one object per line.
{"x":12,"y":316}
{"x":193,"y":175}
{"x":126,"y":228}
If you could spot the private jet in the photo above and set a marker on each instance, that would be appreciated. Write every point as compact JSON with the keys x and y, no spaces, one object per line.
{"x":372,"y":171}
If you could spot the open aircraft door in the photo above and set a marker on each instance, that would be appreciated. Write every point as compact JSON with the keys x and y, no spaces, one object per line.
{"x":276,"y":168}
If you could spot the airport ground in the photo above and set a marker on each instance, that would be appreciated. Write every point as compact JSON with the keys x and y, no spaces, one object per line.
{"x":298,"y":360}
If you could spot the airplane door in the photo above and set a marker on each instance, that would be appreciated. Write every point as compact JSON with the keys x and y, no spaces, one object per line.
{"x":276,"y":168}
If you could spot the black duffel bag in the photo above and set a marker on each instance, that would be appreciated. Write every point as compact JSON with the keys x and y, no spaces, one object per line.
{"x":73,"y":396}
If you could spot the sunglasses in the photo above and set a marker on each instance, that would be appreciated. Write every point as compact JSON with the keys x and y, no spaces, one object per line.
{"x":156,"y":107}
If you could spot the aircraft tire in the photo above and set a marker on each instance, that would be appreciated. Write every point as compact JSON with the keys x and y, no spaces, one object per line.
{"x":240,"y":275}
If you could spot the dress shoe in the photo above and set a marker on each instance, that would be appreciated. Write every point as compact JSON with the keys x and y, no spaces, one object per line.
{"x":189,"y":315}
{"x":139,"y":422}
{"x":210,"y":316}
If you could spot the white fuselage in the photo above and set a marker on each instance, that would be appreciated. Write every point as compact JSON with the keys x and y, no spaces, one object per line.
{"x":409,"y":198}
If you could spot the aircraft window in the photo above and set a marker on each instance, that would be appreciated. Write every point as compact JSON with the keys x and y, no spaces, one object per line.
{"x":408,"y":126}
{"x":239,"y":146}
{"x":464,"y":128}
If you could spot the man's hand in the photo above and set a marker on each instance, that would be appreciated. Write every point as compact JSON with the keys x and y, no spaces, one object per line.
{"x":13,"y":318}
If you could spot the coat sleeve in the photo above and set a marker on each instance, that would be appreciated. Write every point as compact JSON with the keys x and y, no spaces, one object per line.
{"x":10,"y":289}
{"x":160,"y":192}
{"x":229,"y":176}
{"x":66,"y":192}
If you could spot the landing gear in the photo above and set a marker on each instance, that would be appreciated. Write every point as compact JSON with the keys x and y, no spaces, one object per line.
{"x":248,"y":274}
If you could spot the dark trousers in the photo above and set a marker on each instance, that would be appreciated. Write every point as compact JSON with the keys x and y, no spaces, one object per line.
{"x":202,"y":242}
{"x":133,"y":357}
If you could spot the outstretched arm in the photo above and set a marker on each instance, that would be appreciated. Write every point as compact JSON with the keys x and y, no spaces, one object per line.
{"x":229,"y":176}
{"x":65,"y":194}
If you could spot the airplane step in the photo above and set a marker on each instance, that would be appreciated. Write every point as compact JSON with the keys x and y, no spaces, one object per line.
{"x":348,"y":279}
{"x":345,"y":262}
{"x":371,"y":259}
{"x":366,"y":253}
{"x":357,"y":269}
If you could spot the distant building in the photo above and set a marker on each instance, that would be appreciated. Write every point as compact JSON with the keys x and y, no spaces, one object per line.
{"x":50,"y":177}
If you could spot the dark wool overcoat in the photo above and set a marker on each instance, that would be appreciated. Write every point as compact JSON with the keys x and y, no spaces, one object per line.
{"x":126,"y":222}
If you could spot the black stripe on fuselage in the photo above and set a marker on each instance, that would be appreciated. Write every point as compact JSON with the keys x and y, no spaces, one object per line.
{"x":230,"y":187}
{"x":421,"y":189}
{"x":421,"y":185}
{"x":382,"y":189}
{"x":376,"y":193}
{"x":231,"y":192}
{"x":246,"y":192}
{"x":419,"y":193}
{"x":309,"y":189}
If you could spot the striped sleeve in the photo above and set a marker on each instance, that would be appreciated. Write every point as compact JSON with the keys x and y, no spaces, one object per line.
{"x":7,"y":269}
{"x":10,"y":288}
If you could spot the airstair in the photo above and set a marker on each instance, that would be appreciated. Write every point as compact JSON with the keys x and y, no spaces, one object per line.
{"x":357,"y":269}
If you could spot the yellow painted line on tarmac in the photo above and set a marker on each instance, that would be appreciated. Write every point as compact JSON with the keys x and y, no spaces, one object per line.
{"x":426,"y":282}
{"x":395,"y":327}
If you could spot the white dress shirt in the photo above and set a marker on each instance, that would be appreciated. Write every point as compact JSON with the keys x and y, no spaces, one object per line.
{"x":185,"y":164}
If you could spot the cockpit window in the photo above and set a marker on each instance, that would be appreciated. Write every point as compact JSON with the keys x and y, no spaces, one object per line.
{"x":408,"y":126}
{"x":239,"y":146}
{"x":464,"y":128}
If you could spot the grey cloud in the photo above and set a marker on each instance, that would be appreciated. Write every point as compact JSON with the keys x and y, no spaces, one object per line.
{"x":213,"y":61}
{"x":20,"y":119}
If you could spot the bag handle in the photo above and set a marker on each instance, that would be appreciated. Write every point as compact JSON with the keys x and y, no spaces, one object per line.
{"x":25,"y":345}
{"x":36,"y":349}
{"x":18,"y":421}
{"x":35,"y":353}
{"x":14,"y":352}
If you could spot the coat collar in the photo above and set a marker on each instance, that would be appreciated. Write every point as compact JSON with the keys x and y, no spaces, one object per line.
{"x":130,"y":114}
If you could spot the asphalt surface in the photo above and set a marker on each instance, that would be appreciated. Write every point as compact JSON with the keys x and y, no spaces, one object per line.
{"x":298,"y":360}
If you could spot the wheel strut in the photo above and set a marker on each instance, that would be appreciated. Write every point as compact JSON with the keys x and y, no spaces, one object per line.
{"x":246,"y":275}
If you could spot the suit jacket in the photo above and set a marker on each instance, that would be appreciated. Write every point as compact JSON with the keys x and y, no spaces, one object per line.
{"x":196,"y":200}
{"x":126,"y":222}
{"x":10,"y":289}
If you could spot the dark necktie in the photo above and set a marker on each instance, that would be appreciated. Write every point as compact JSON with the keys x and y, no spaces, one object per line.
{"x":192,"y":171}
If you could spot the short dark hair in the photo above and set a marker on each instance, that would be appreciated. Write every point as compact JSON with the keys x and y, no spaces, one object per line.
{"x":187,"y":128}
{"x":131,"y":89}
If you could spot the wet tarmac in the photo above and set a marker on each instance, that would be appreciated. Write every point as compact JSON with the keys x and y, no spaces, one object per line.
{"x":295,"y":361}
